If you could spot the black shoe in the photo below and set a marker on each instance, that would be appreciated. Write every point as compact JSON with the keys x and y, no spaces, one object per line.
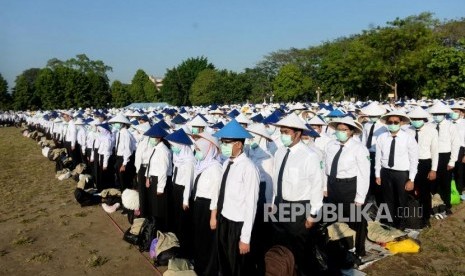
{"x":448,"y":212}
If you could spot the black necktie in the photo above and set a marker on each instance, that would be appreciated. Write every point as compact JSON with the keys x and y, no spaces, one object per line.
{"x":392,"y":152}
{"x":223,"y":188}
{"x":117,"y":143}
{"x":437,"y":128}
{"x":416,"y":135}
{"x":174,"y":174}
{"x":333,"y":172}
{"x":148,"y":166}
{"x":279,"y":195}
{"x":370,"y":136}
{"x":194,"y":190}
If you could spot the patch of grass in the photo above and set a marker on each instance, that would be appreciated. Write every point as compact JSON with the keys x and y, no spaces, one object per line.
{"x":40,"y":258}
{"x":26,"y":221}
{"x":96,"y":261}
{"x":76,"y":235}
{"x":64,"y":223}
{"x":3,"y":253}
{"x":23,"y":240}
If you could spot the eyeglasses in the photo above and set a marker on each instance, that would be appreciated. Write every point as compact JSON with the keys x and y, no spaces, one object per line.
{"x":392,"y":122}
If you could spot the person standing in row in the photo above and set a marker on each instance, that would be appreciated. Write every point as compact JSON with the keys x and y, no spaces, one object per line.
{"x":71,"y":138}
{"x":154,"y":194}
{"x":449,"y":147}
{"x":204,"y":199}
{"x":183,"y":177}
{"x":427,"y":137}
{"x":106,"y":159}
{"x":459,"y":170}
{"x":297,"y":182}
{"x":371,"y":131}
{"x":237,"y":202}
{"x":347,"y":167}
{"x":396,"y":165}
{"x":125,"y":146}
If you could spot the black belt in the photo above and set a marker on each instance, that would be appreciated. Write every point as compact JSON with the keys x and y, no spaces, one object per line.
{"x":202,"y":199}
{"x":345,"y":179}
{"x":144,"y":165}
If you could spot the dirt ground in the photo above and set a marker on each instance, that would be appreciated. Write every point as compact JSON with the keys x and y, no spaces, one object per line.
{"x":44,"y":231}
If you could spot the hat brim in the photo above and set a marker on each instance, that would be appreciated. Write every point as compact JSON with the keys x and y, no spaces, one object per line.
{"x":356,"y":127}
{"x":403,"y":118}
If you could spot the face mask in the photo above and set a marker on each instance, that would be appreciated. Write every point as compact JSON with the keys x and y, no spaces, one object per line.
{"x":253,"y":145}
{"x":195,"y":130}
{"x":175,"y":149}
{"x":286,"y":139}
{"x":393,"y":128}
{"x":297,"y":112}
{"x":199,"y":155}
{"x":373,"y":119}
{"x":117,"y":126}
{"x":454,"y":116}
{"x":153,"y":142}
{"x":438,"y":118}
{"x":417,"y":123}
{"x":270,"y":130}
{"x":341,"y":136}
{"x":226,"y":150}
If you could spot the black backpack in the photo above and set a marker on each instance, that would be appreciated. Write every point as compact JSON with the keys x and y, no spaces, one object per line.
{"x":147,"y":234}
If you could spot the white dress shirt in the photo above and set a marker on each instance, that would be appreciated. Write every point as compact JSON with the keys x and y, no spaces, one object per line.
{"x":185,"y":177}
{"x":143,"y":152}
{"x":460,"y":123}
{"x":302,"y":176}
{"x":71,"y":133}
{"x":354,"y":161}
{"x":160,"y":164}
{"x":427,"y":144}
{"x":264,"y":160}
{"x":209,"y":183}
{"x":81,"y":137}
{"x":322,"y":141}
{"x":241,"y":194}
{"x":449,"y":140}
{"x":405,"y":157}
{"x":377,"y":131}
{"x":105,"y":148}
{"x":126,"y":145}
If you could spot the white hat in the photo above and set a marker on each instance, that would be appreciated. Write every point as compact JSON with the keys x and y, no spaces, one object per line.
{"x":317,"y":121}
{"x":57,"y":120}
{"x":216,"y":111}
{"x":242,"y":119}
{"x":120,"y":118}
{"x":373,"y":109}
{"x":298,"y":106}
{"x":347,"y":120}
{"x":67,"y":112}
{"x":397,"y":113}
{"x":259,"y":129}
{"x":207,"y":136}
{"x":142,"y":128}
{"x":78,"y":122}
{"x":439,"y":108}
{"x":418,"y":113}
{"x":128,"y":113}
{"x":197,"y":121}
{"x":458,"y":106}
{"x":136,"y":114}
{"x":291,"y":121}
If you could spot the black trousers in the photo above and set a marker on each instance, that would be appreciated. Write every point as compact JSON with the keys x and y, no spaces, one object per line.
{"x":394,"y":194}
{"x":96,"y":171}
{"x":459,"y":171}
{"x":374,"y":192}
{"x":180,"y":218}
{"x":141,"y":188}
{"x":342,"y":192}
{"x":125,"y":179}
{"x":261,"y":239}
{"x":231,"y":262}
{"x":423,"y":187}
{"x":154,"y":205}
{"x":204,"y":239}
{"x":107,"y":176}
{"x":443,"y":179}
{"x":297,"y":238}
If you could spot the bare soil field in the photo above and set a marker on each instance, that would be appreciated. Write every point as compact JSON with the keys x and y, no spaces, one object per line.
{"x":44,"y":231}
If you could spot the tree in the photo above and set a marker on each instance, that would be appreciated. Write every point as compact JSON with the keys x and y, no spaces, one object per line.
{"x":136,"y":88}
{"x":178,"y":80}
{"x":120,"y":94}
{"x":203,"y":88}
{"x":5,"y":97}
{"x":46,"y":88}
{"x":290,"y":84}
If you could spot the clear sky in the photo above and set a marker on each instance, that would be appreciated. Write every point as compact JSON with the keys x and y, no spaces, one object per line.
{"x":158,"y":34}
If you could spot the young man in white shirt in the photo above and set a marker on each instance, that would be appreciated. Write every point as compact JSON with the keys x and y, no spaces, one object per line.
{"x":237,"y":202}
{"x":396,"y":166}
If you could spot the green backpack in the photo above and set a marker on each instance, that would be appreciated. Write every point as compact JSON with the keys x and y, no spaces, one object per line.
{"x":454,"y":194}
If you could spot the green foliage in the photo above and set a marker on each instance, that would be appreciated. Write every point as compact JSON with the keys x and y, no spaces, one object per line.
{"x":5,"y":97}
{"x":290,"y":84}
{"x":178,"y":80}
{"x":120,"y":94}
{"x":137,"y":87}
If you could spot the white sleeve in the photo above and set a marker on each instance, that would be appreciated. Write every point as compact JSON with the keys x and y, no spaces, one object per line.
{"x":214,"y":178}
{"x":455,"y":145}
{"x":363,"y":174}
{"x":413,"y":157}
{"x":315,"y":179}
{"x":434,"y":150}
{"x":252,"y":181}
{"x":188,"y":185}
